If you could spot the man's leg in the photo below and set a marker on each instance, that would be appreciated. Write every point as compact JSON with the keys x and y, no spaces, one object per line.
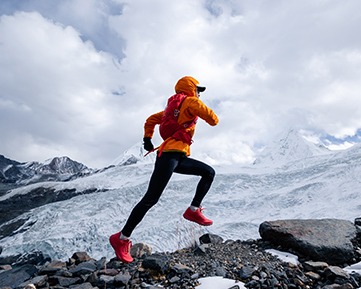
{"x":191,"y":166}
{"x":163,"y":170}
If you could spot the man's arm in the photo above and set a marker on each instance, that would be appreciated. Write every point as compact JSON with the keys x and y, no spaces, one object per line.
{"x":198,"y":108}
{"x":151,"y":122}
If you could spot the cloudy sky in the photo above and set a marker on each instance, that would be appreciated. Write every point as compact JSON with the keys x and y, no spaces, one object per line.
{"x":79,"y":77}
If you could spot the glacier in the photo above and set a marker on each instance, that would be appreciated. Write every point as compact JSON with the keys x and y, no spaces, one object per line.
{"x":292,"y":179}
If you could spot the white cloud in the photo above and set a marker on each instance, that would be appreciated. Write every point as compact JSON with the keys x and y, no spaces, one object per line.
{"x":80,"y":79}
{"x":64,"y":85}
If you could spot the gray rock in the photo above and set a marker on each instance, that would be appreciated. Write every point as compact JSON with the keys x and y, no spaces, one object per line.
{"x":156,"y":262}
{"x":5,"y":267}
{"x":315,"y":266}
{"x":195,"y":276}
{"x":201,"y":250}
{"x":84,"y":268}
{"x":210,"y":239}
{"x":313,"y":275}
{"x":246,"y":272}
{"x":174,"y":279}
{"x":220,"y":271}
{"x":52,"y":268}
{"x":335,"y":271}
{"x":122,"y":278}
{"x":109,"y":272}
{"x":357,"y":222}
{"x":106,"y":280}
{"x":16,"y":276}
{"x":181,"y":269}
{"x":140,"y":250}
{"x":38,"y":281}
{"x":86,"y":285}
{"x":338,"y":286}
{"x":327,"y":240}
{"x":101,"y":263}
{"x":81,"y":257}
{"x":63,"y":281}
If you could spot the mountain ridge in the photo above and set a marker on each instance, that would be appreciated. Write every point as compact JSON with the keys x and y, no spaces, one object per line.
{"x":54,"y":169}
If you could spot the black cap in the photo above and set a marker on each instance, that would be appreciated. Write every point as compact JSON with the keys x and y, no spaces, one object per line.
{"x":201,"y":88}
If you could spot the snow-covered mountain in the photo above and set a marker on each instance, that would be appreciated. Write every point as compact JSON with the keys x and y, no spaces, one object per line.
{"x":134,"y":155}
{"x":294,"y":179}
{"x":290,"y":150}
{"x":55,"y":169}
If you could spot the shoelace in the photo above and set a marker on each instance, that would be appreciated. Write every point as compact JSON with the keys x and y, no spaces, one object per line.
{"x":126,"y":249}
{"x":203,"y":217}
{"x":201,"y":209}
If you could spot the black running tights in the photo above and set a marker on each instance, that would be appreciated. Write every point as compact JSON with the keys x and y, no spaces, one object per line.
{"x":165,"y":165}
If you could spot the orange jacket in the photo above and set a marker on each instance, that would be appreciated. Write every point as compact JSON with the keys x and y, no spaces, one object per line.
{"x":191,"y":107}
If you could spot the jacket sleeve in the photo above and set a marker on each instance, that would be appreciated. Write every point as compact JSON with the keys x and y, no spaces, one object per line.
{"x":196,"y":107}
{"x":151,"y":122}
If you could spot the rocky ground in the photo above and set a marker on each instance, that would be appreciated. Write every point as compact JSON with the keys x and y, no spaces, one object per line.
{"x":246,"y":261}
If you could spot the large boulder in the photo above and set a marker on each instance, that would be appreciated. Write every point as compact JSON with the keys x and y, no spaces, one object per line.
{"x":328,"y":240}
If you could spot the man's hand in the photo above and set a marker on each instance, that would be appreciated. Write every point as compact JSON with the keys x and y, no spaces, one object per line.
{"x":147,"y":143}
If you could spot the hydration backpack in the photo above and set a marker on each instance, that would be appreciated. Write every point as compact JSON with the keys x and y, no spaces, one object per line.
{"x":169,"y":126}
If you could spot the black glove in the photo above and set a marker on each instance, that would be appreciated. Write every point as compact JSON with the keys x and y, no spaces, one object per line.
{"x":147,"y":142}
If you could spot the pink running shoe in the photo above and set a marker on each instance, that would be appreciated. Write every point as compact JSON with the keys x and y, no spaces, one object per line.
{"x":197,"y":217}
{"x":121,"y":248}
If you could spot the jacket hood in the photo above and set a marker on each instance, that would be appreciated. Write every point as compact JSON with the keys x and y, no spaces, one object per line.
{"x":187,"y":85}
